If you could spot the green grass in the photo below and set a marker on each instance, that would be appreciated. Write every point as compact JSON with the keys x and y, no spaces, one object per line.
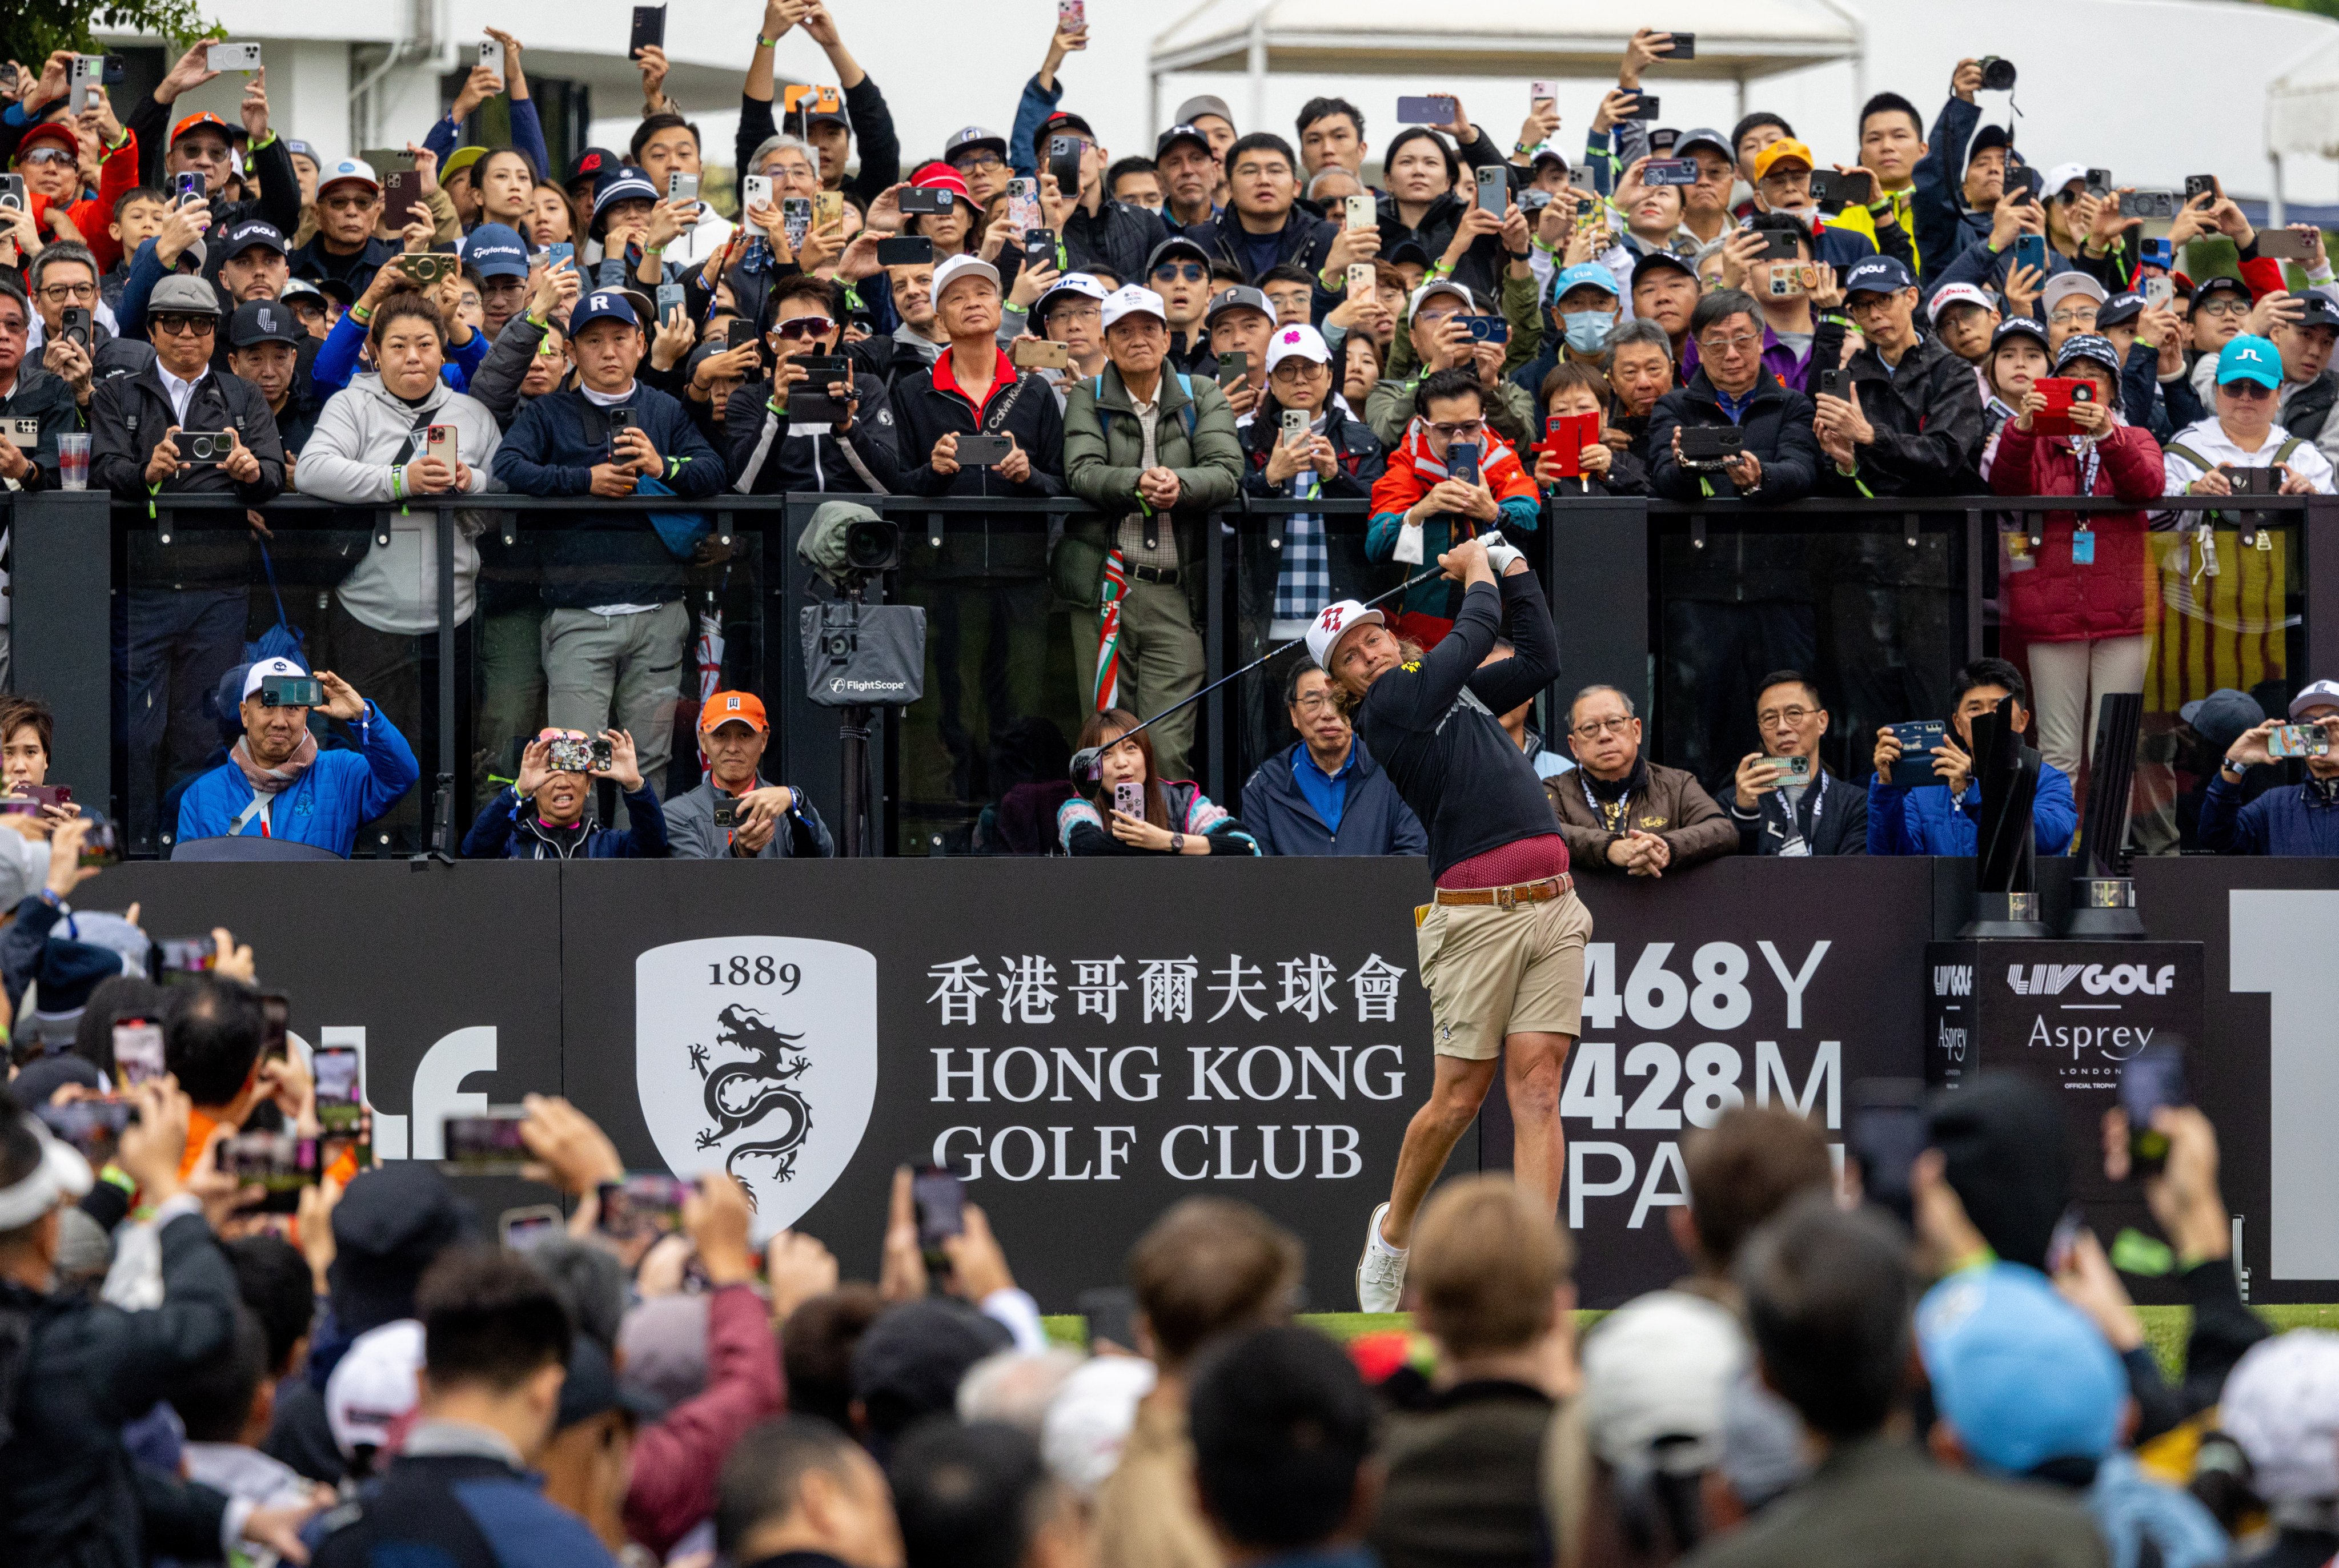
{"x":2165,"y":1327}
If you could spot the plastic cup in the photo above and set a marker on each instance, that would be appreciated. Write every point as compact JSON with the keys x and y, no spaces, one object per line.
{"x":73,"y":461}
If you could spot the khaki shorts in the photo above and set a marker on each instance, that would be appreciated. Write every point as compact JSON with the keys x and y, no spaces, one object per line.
{"x":1494,"y":972}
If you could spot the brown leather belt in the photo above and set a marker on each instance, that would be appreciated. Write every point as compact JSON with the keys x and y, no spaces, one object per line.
{"x":1511,"y":897}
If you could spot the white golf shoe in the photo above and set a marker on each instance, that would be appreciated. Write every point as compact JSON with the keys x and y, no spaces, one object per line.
{"x":1380,"y":1272}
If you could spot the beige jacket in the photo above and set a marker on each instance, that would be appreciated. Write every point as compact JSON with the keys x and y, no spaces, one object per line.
{"x":1145,"y":1512}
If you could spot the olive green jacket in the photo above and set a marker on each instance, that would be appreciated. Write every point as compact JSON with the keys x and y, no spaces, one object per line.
{"x":1104,"y":448}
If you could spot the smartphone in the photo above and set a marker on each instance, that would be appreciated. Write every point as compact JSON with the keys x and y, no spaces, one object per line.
{"x":1565,"y":437}
{"x":1791,"y":770}
{"x":646,"y":1203}
{"x":1645,"y":107}
{"x":795,"y":218}
{"x":2030,"y":251}
{"x":1361,"y":280}
{"x":941,"y":1202}
{"x":2060,"y":393}
{"x":560,"y":254}
{"x":73,"y":325}
{"x":1064,"y":164}
{"x":275,"y":1026}
{"x":1542,"y":92}
{"x":402,"y":193}
{"x":2098,"y":182}
{"x":1023,"y":202}
{"x":485,"y":1145}
{"x":1129,"y":798}
{"x":820,"y":370}
{"x":1109,"y":1314}
{"x":649,"y":30}
{"x":1485,"y":329}
{"x":738,"y":333}
{"x":1710,"y":446}
{"x":827,"y":209}
{"x":137,"y":1052}
{"x":439,"y":442}
{"x":278,"y":1163}
{"x":524,"y":1228}
{"x":2151,"y":203}
{"x":2287,"y":245}
{"x":340,"y":1096}
{"x":1462,"y":463}
{"x":2298,"y":741}
{"x":1683,"y":47}
{"x":1296,"y":425}
{"x":604,"y":754}
{"x":491,"y":55}
{"x":192,"y":189}
{"x":670,"y":297}
{"x":1833,"y":193}
{"x":233,"y":57}
{"x":1494,"y":191}
{"x":754,"y":191}
{"x":1917,"y":739}
{"x":91,"y":1125}
{"x":1360,"y":212}
{"x":384,"y":159}
{"x":2159,"y":292}
{"x":1039,"y":248}
{"x":1435,"y":110}
{"x":291,"y":691}
{"x":928,"y":202}
{"x":1671,"y":171}
{"x":2151,"y":1078}
{"x":2199,"y":185}
{"x":45,"y":795}
{"x":681,"y":187}
{"x":983,"y":451}
{"x":1039,"y":354}
{"x":1071,"y":16}
{"x":1234,"y":368}
{"x":1835,"y":384}
{"x":906,"y":250}
{"x":1886,"y":1136}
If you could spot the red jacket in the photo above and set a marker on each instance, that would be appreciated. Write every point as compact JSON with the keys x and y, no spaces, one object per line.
{"x":91,"y":216}
{"x":678,"y":1460}
{"x":2051,"y":599}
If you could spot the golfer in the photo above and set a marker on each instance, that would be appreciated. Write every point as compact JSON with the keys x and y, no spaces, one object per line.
{"x":1501,"y":943}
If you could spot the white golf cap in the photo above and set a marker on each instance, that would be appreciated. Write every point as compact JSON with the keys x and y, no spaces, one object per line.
{"x":1959,"y":294}
{"x":62,"y":1175}
{"x":959,"y":267}
{"x":1440,"y":286}
{"x":1133,"y":299}
{"x":1333,"y":622}
{"x":373,"y":1385}
{"x":2063,"y":285}
{"x":1655,"y":1374}
{"x":2315,"y":694}
{"x":1080,"y":283}
{"x":1299,"y":341}
{"x":263,"y":668}
{"x":2060,"y":175}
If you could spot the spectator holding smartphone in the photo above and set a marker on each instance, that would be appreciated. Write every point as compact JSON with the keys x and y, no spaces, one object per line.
{"x":2243,"y":433}
{"x":277,"y":782}
{"x":771,"y":455}
{"x":1910,"y":423}
{"x":1777,"y":457}
{"x":1176,"y":817}
{"x":1422,"y":507}
{"x":1944,"y":818}
{"x":543,"y":813}
{"x":2018,"y":356}
{"x":2295,"y":820}
{"x":763,"y":822}
{"x":1778,"y":810}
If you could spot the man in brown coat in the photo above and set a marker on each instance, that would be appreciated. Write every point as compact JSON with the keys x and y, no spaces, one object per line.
{"x":1620,"y":812}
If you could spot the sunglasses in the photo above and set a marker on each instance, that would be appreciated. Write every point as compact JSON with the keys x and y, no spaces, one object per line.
{"x":803,"y":327}
{"x":180,"y":326}
{"x":47,"y":155}
{"x":1192,"y":271}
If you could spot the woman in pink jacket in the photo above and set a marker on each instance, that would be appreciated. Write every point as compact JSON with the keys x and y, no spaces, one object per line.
{"x":2074,"y":586}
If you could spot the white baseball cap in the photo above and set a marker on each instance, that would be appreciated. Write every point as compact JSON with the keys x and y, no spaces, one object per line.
{"x":1333,"y":622}
{"x":350,"y":170}
{"x":2060,"y":175}
{"x":2063,"y":285}
{"x":1655,"y":1373}
{"x":1133,"y":299}
{"x":1297,"y":341}
{"x":1959,"y":294}
{"x":373,"y":1385}
{"x":1440,"y":286}
{"x":263,"y":668}
{"x":962,"y":266}
{"x":2314,"y":694}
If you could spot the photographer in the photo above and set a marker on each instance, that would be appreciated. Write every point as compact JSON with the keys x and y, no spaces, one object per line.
{"x":1778,"y":457}
{"x":1912,"y":424}
{"x":2301,"y":820}
{"x":1420,"y":510}
{"x":867,"y":114}
{"x":1620,"y":812}
{"x":2242,"y":434}
{"x":1301,"y":801}
{"x":1178,"y":818}
{"x":28,"y":393}
{"x":1146,"y":445}
{"x":1607,"y":466}
{"x":541,"y":814}
{"x":762,"y":822}
{"x":199,"y":143}
{"x":277,"y":784}
{"x":65,"y":276}
{"x":1944,"y":819}
{"x":1962,"y":175}
{"x":1773,"y":813}
{"x":770,"y":454}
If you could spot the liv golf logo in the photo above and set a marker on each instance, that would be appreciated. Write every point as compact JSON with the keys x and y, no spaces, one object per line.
{"x":757,"y":1056}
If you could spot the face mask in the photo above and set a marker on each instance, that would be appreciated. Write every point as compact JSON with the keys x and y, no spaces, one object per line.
{"x":1587,"y":330}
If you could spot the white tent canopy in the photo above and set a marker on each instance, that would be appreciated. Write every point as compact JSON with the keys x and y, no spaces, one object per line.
{"x":2303,"y":107}
{"x":1737,"y":40}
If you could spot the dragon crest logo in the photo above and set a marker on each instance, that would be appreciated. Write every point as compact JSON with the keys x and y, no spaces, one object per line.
{"x":757,"y":1056}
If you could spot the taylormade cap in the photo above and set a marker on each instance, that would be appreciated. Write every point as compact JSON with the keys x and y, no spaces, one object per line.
{"x":494,"y":250}
{"x":1333,"y":622}
{"x":958,"y":269}
{"x":2314,"y":694}
{"x":1299,"y":341}
{"x":1133,"y":299}
{"x":2250,"y":358}
{"x":732,"y":709}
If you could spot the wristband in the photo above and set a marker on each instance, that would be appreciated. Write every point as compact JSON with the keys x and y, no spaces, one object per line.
{"x":764,"y":42}
{"x":361,"y":314}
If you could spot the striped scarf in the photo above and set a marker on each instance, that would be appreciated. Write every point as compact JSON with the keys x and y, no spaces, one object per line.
{"x":1108,"y":669}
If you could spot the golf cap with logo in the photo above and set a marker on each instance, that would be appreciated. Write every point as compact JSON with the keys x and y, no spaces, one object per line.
{"x":1333,"y":622}
{"x":1298,"y":341}
{"x":734,"y":708}
{"x":262,"y":669}
{"x":348,"y":172}
{"x":1177,"y":248}
{"x":373,"y":1385}
{"x":2093,"y":346}
{"x":628,"y":184}
{"x":1241,"y":297}
{"x":1583,"y":275}
{"x":2281,"y":1405}
{"x":1785,"y":149}
{"x":1176,"y":134}
{"x":2029,"y":326}
{"x":2127,"y":305}
{"x":1702,"y":136}
{"x":2250,"y":358}
{"x":183,"y":294}
{"x":2019,"y":1372}
{"x":297,"y":149}
{"x":1435,"y":287}
{"x":2063,"y":285}
{"x":960,"y":268}
{"x":967,"y":138}
{"x":2060,"y":175}
{"x":1203,"y":103}
{"x":264,"y":321}
{"x":494,"y":250}
{"x":60,"y":131}
{"x":2314,"y":694}
{"x":189,"y":125}
{"x":1080,"y":283}
{"x":602,"y":305}
{"x":1133,"y":299}
{"x":1652,"y":260}
{"x":1878,"y":275}
{"x":252,"y":232}
{"x":594,"y":163}
{"x":1959,"y":295}
{"x":1063,"y":122}
{"x":2222,"y":283}
{"x":302,"y":288}
{"x":2318,"y":310}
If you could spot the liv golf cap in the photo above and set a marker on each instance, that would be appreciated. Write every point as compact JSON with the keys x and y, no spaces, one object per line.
{"x":1333,"y":622}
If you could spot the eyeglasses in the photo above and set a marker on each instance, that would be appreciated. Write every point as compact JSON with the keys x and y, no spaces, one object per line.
{"x":1297,"y":369}
{"x":47,"y":155}
{"x":1460,"y":429}
{"x":1770,"y":717}
{"x":978,"y":163}
{"x":181,"y":326}
{"x":1599,"y":727}
{"x":1315,"y":702}
{"x":63,"y":292}
{"x":2074,"y":317}
{"x":1736,"y":343}
{"x":2226,"y":307}
{"x":800,"y":327}
{"x":1076,"y":313}
{"x":1171,"y":271}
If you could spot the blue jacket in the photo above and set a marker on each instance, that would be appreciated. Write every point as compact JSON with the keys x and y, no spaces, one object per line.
{"x":507,"y":829}
{"x":340,"y":792}
{"x":2293,"y":820}
{"x":336,"y":358}
{"x":1924,"y":822}
{"x":1946,"y":227}
{"x":1373,"y":820}
{"x":526,"y":136}
{"x":1031,"y":111}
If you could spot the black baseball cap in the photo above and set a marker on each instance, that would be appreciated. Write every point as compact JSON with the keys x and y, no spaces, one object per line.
{"x":1176,"y":245}
{"x":2127,"y":305}
{"x":1652,"y":260}
{"x":2319,"y":311}
{"x":1176,"y":134}
{"x":1064,"y":120}
{"x":264,"y":321}
{"x":2223,"y":282}
{"x":253,"y":232}
{"x":594,"y":163}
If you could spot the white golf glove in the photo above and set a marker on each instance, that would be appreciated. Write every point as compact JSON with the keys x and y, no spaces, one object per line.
{"x":1500,"y":554}
{"x":1409,"y":544}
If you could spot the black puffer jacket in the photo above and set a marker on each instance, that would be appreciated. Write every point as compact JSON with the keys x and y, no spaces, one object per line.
{"x":1926,"y":415}
{"x":767,"y":460}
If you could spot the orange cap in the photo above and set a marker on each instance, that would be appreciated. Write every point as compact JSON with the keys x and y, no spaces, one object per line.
{"x":727,"y":707}
{"x":196,"y":122}
{"x":1785,"y":147}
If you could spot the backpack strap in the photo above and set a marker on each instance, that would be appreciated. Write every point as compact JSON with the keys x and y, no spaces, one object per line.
{"x":2189,"y":455}
{"x":2282,"y":453}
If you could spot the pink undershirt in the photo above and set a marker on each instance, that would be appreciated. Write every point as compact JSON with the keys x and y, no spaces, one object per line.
{"x":1521,"y":859}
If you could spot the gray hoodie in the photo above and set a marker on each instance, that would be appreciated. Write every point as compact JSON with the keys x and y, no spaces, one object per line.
{"x":364,"y":434}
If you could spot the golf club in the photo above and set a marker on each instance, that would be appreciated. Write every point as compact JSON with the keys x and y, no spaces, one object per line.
{"x":1086,"y":761}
